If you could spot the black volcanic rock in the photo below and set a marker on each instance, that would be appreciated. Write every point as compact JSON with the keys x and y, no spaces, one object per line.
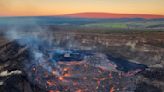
{"x":144,"y":87}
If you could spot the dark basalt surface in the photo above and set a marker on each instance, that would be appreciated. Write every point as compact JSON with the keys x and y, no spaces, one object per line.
{"x":125,"y":65}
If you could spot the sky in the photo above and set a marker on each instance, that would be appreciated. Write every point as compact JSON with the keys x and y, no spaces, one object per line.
{"x":59,"y":7}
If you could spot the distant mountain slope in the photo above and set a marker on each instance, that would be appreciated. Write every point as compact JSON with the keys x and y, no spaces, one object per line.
{"x":111,"y":15}
{"x":75,"y":20}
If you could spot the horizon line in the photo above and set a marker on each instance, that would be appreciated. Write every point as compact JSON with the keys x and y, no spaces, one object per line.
{"x":80,"y":13}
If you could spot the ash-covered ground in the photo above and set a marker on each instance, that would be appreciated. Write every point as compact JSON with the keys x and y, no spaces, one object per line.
{"x":83,"y":62}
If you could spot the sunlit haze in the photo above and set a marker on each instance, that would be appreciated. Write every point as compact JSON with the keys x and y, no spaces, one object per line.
{"x":57,"y":7}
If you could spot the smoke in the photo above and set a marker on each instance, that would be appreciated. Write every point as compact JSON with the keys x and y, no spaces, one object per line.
{"x":40,"y":42}
{"x":36,"y":38}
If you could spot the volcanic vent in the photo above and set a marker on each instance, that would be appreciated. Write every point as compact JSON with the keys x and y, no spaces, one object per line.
{"x":48,"y":67}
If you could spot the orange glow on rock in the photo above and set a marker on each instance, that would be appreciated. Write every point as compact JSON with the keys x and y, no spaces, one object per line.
{"x":112,"y":89}
{"x":61,"y":78}
{"x":79,"y":90}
